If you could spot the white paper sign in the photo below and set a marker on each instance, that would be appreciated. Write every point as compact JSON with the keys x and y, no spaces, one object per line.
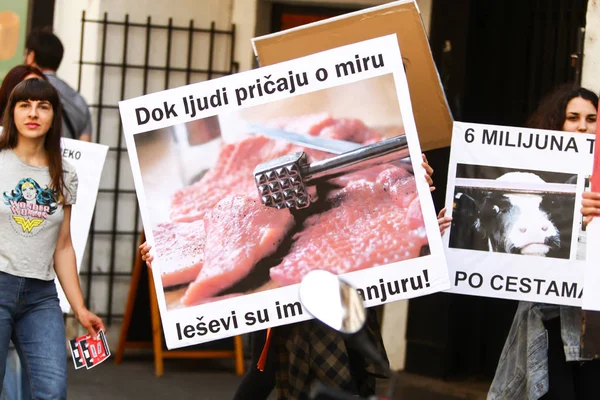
{"x":88,"y":159}
{"x":224,"y":263}
{"x":515,"y":198}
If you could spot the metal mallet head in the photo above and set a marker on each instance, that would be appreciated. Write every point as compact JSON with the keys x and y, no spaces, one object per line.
{"x":282,"y":182}
{"x":279,"y":182}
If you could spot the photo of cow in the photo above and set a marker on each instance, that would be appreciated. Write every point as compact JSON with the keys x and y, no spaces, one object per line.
{"x":505,"y":210}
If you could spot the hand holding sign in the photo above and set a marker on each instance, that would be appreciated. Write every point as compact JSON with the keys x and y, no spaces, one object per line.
{"x":591,"y":205}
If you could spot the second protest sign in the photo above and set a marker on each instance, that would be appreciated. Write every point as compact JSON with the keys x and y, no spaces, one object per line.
{"x":515,"y":198}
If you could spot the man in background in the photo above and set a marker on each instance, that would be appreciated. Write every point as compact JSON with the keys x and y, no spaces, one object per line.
{"x":44,"y":50}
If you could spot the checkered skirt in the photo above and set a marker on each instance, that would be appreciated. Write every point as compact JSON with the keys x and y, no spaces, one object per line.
{"x":310,"y":351}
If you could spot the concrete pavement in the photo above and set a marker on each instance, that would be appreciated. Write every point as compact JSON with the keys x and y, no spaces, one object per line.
{"x":214,"y":380}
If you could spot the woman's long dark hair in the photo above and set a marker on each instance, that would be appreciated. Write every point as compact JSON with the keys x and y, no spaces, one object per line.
{"x":552,"y":111}
{"x":37,"y":89}
{"x":12,"y":78}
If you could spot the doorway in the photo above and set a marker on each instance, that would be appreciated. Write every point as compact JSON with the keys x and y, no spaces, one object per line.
{"x":496,"y":60}
{"x":286,"y":16}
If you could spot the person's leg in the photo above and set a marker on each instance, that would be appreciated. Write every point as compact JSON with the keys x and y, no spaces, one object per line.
{"x":364,"y":370}
{"x":39,"y":337}
{"x":560,"y":372}
{"x":256,"y":384}
{"x":9,"y":294}
{"x":11,"y":389}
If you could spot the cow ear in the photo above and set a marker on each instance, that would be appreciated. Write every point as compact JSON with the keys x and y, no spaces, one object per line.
{"x":494,"y":204}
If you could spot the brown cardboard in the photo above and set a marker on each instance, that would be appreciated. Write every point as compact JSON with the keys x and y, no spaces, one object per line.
{"x":431,"y":112}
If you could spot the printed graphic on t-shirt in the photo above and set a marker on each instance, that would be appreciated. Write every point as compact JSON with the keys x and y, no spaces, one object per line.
{"x":30,"y":205}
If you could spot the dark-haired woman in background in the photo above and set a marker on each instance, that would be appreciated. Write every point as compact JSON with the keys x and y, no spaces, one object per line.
{"x":541,"y":357}
{"x":12,"y":78}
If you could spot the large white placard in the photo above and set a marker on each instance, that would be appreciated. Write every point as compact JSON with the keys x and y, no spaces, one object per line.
{"x":515,"y":198}
{"x":224,"y":263}
{"x":88,"y":159}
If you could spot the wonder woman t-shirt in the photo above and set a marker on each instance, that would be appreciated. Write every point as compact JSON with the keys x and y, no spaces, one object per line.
{"x":30,"y":216}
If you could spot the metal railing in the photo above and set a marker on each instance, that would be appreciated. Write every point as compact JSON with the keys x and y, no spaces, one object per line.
{"x":115,"y":193}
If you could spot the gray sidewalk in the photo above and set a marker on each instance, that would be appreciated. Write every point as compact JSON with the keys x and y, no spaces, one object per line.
{"x":213,"y":379}
{"x":134,"y":379}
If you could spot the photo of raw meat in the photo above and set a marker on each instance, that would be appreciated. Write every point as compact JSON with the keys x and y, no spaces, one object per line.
{"x":215,"y":238}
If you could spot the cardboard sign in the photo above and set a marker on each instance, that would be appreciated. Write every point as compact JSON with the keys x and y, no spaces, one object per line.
{"x":88,"y":159}
{"x":225,"y":263}
{"x":514,"y":195}
{"x":430,"y":108}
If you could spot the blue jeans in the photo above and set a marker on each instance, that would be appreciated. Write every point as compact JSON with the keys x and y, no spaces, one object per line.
{"x":13,"y":379}
{"x":30,"y":315}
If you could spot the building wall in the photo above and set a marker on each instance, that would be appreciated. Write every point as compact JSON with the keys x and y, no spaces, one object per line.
{"x":67,"y":25}
{"x":591,"y":60}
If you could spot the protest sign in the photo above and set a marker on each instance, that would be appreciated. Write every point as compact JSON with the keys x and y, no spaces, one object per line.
{"x":225,"y":264}
{"x":88,"y":159}
{"x":514,"y":195}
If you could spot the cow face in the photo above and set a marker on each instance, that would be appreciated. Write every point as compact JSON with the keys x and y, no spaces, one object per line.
{"x":512,"y":222}
{"x":515,"y":223}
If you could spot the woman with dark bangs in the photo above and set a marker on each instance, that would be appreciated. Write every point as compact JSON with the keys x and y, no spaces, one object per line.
{"x":36,"y":244}
{"x":12,"y":375}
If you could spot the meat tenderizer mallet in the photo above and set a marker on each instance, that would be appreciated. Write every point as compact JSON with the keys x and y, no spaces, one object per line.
{"x":282,"y":182}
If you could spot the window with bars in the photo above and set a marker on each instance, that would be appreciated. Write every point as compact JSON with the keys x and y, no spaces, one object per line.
{"x":119,"y":60}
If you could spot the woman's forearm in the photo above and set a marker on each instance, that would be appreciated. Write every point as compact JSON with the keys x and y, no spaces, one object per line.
{"x":65,"y":266}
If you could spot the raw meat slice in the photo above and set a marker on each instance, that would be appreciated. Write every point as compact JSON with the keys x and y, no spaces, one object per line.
{"x":232,"y":173}
{"x":389,"y":175}
{"x":401,"y":185}
{"x":240,"y":231}
{"x":323,"y":124}
{"x":351,"y":129}
{"x":309,"y":124}
{"x":372,"y":221}
{"x":180,"y":247}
